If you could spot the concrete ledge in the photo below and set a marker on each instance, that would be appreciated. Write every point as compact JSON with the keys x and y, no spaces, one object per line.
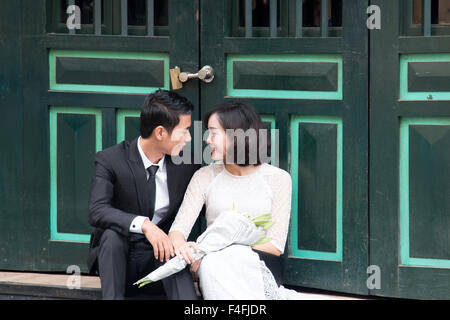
{"x":48,"y":291}
{"x":32,"y":284}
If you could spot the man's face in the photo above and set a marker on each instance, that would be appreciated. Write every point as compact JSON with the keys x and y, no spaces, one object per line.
{"x":174,"y":143}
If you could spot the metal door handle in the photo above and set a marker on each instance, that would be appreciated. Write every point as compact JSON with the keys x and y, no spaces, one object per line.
{"x":206,"y":74}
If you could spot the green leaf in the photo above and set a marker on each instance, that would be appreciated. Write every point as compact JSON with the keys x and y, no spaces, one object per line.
{"x":143,"y":282}
{"x":267,"y":225}
{"x":261,"y":219}
{"x":263,"y":240}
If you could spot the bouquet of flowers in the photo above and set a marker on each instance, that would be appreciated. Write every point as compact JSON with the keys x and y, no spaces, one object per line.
{"x":230,"y":227}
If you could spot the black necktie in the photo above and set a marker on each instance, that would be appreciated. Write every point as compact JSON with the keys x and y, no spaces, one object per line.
{"x":152,"y":188}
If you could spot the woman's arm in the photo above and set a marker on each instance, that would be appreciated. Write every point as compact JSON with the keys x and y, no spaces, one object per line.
{"x":193,"y":201}
{"x":177,"y":238}
{"x":268,"y":247}
{"x":281,"y":186}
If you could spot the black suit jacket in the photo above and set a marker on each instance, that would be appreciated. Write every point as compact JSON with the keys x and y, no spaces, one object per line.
{"x":119,"y":192}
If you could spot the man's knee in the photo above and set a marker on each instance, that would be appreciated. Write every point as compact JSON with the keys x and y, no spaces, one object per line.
{"x":111,"y":240}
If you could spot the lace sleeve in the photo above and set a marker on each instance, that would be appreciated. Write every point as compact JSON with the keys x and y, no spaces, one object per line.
{"x":193,"y":201}
{"x":281,"y":185}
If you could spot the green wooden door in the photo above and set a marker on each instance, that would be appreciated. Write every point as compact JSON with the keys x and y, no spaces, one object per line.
{"x":308,"y":78}
{"x":78,"y":92}
{"x":410,"y":143}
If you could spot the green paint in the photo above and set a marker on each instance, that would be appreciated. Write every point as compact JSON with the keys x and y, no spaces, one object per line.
{"x":295,"y":251}
{"x":404,"y":60}
{"x":54,"y":111}
{"x":120,"y":122}
{"x":289,"y":94}
{"x":106,"y":55}
{"x":404,"y":192}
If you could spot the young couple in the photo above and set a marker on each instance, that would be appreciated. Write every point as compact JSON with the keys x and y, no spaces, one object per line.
{"x":143,"y":206}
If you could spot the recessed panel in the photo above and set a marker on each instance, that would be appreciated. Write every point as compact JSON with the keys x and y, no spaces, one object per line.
{"x":429,"y":76}
{"x":132,"y":128}
{"x":316,"y":171}
{"x":75,"y":137}
{"x":295,"y":76}
{"x":429,"y":190}
{"x":128,"y":124}
{"x":282,"y":75}
{"x":75,"y":154}
{"x":317,"y":186}
{"x":425,"y":76}
{"x":424,"y":189}
{"x":110,"y":72}
{"x":105,"y":71}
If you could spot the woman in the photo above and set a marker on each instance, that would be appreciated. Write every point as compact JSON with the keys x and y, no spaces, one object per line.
{"x":237,"y":180}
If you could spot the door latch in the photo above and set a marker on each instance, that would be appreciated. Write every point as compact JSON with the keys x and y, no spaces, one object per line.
{"x":205,"y":74}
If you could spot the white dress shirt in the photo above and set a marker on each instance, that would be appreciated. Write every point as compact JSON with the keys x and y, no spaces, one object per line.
{"x":162,"y":192}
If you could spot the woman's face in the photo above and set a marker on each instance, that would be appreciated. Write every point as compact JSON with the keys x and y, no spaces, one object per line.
{"x":217,"y":138}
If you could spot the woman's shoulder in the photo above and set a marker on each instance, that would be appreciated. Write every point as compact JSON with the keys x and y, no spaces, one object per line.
{"x":268,"y":169}
{"x":209,"y":171}
{"x":275,"y":173}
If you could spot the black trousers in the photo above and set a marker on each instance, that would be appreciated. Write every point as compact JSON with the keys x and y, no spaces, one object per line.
{"x":124,"y":260}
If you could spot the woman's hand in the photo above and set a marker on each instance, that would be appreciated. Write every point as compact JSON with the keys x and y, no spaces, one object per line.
{"x":194,"y":268}
{"x":185,"y":251}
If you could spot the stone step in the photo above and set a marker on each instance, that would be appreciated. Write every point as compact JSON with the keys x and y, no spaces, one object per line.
{"x":45,"y":285}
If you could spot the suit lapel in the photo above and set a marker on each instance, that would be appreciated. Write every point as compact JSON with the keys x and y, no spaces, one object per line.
{"x":140,"y":177}
{"x":172,"y":186}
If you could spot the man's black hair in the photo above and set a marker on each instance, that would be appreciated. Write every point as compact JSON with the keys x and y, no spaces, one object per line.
{"x":163,"y":108}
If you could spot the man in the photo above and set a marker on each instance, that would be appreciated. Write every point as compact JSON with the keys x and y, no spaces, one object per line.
{"x":135,"y":195}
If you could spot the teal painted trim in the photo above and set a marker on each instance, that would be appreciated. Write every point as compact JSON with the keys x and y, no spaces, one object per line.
{"x":287,"y":94}
{"x":404,"y":60}
{"x":53,"y":113}
{"x":405,"y":258}
{"x":273,"y":137}
{"x":309,"y":254}
{"x":120,"y":122}
{"x":106,"y":55}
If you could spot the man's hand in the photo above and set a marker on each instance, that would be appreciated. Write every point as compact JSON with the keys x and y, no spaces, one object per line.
{"x":162,"y":246}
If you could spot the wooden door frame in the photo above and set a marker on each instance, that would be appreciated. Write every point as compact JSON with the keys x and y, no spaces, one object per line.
{"x":28,"y":233}
{"x":387,"y":112}
{"x":344,"y":277}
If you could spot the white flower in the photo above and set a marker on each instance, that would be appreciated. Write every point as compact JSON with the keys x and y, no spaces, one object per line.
{"x":230,"y":227}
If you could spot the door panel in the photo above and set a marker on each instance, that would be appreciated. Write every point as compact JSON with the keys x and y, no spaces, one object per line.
{"x":81,"y":94}
{"x":316,"y":145}
{"x":311,"y":78}
{"x":409,"y":150}
{"x":75,"y":137}
{"x":303,"y":67}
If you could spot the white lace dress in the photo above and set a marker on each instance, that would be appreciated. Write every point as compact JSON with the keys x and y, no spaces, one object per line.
{"x":236,"y":272}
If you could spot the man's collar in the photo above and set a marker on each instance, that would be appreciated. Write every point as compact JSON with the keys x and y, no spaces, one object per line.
{"x":146,"y":161}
